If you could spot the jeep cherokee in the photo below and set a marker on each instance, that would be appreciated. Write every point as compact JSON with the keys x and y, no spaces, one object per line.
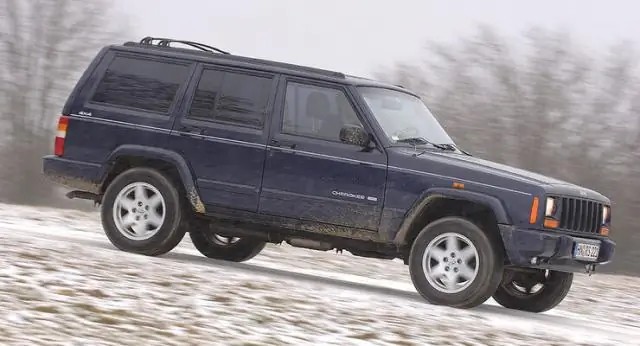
{"x":239,"y":152}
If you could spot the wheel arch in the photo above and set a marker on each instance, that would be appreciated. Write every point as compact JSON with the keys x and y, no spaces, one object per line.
{"x":436,"y":203}
{"x":129,"y":156}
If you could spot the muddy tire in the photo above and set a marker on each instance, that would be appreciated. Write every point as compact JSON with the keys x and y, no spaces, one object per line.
{"x":223,"y":248}
{"x":518,"y":290}
{"x":455,"y":263}
{"x":142,"y":213}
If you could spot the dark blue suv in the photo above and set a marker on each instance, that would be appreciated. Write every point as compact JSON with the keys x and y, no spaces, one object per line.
{"x":239,"y":152}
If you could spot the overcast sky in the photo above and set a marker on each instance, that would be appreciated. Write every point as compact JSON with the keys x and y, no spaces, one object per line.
{"x":356,"y":36}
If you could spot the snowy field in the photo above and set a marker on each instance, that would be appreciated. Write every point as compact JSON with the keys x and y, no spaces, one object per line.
{"x":62,"y":283}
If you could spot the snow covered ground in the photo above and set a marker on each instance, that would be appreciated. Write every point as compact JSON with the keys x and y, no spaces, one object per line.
{"x":62,"y":283}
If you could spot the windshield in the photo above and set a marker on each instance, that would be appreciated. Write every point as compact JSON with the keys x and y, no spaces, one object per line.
{"x":403,"y":116}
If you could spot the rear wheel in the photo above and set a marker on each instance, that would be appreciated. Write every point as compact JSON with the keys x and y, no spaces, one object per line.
{"x":453,"y":262}
{"x":533,"y":291}
{"x":233,"y":249}
{"x":141,"y":212}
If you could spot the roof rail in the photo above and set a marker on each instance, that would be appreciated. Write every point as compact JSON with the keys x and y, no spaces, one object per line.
{"x":166,"y":42}
{"x":161,"y":43}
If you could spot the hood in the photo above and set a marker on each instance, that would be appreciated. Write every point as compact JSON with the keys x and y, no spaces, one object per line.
{"x":552,"y":185}
{"x":473,"y":168}
{"x":471,"y":162}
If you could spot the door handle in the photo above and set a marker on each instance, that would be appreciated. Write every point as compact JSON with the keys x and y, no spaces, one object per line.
{"x":283,"y":144}
{"x":191,"y":130}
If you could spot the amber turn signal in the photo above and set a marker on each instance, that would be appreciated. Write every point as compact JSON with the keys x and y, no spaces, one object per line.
{"x":533,"y":218}
{"x":551,"y":223}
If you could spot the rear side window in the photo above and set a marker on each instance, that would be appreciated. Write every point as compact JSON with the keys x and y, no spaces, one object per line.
{"x":141,"y":84}
{"x":231,"y":97}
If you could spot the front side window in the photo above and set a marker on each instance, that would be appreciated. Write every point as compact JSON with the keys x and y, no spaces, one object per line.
{"x":317,"y":112}
{"x":231,"y":97}
{"x":403,"y":116}
{"x":140,"y":84}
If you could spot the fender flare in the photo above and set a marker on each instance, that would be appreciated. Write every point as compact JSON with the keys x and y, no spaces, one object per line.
{"x":439,"y":192}
{"x":166,"y":155}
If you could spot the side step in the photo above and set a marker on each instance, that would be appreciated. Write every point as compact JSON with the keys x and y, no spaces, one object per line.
{"x":77,"y":194}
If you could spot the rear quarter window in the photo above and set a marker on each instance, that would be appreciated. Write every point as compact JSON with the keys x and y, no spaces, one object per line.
{"x":140,"y":84}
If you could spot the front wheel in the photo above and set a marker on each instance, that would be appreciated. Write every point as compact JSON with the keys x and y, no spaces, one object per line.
{"x":455,"y":263}
{"x":533,"y":291}
{"x":232,"y":249}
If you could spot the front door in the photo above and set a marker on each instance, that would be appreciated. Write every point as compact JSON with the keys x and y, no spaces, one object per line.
{"x":223,"y":135}
{"x":309,"y":173}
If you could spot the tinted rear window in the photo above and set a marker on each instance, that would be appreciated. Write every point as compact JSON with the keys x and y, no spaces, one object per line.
{"x":141,"y":84}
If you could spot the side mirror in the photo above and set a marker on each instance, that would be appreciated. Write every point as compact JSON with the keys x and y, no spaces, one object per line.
{"x":355,"y":135}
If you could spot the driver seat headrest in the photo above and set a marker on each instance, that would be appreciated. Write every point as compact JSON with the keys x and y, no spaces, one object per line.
{"x":318,"y":105}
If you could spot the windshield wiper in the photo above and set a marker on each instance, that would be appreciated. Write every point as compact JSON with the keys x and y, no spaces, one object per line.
{"x":421,"y":140}
{"x":415,"y":141}
{"x":460,"y":149}
{"x":454,"y":147}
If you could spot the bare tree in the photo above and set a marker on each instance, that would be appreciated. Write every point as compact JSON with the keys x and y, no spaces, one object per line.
{"x":542,"y":103}
{"x":44,"y":47}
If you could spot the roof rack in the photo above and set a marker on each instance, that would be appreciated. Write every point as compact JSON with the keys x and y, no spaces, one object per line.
{"x":166,"y":42}
{"x":206,"y":50}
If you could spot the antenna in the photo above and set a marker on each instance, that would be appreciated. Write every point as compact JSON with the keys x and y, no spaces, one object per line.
{"x":166,"y":42}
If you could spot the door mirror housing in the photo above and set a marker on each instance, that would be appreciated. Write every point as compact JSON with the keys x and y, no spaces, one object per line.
{"x":356,"y":135}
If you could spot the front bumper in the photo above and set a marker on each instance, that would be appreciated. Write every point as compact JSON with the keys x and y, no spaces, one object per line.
{"x":548,"y":250}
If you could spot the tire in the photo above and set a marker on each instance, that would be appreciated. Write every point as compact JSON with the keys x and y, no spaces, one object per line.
{"x":164,"y":216}
{"x":479,"y":266}
{"x":514,"y":291}
{"x":224,"y":248}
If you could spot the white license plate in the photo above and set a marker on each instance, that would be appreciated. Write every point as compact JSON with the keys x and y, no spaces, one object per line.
{"x":586,"y":251}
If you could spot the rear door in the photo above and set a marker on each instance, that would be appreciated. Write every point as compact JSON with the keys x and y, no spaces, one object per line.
{"x":310,"y":174}
{"x":222,"y":133}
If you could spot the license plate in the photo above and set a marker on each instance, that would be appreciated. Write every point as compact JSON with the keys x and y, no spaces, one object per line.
{"x":586,"y":251}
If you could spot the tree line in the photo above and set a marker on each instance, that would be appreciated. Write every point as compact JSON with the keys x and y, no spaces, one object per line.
{"x":44,"y":47}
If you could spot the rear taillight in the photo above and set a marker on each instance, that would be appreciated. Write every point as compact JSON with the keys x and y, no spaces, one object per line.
{"x":61,"y":133}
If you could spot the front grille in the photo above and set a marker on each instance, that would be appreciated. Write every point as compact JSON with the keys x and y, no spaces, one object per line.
{"x":580,"y":215}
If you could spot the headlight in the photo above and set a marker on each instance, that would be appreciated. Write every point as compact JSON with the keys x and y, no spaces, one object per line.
{"x":606,"y":214}
{"x":550,"y":209}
